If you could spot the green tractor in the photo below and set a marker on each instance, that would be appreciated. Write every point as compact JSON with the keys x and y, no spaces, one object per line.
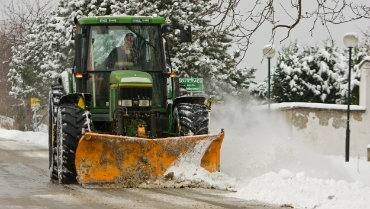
{"x":121,"y":112}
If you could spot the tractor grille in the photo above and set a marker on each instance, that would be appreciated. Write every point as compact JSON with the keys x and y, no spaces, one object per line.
{"x":135,"y":93}
{"x":135,"y":98}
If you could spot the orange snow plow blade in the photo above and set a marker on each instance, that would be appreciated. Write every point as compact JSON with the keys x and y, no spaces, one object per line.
{"x":102,"y":158}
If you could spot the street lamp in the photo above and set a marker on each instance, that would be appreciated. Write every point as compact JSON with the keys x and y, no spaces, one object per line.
{"x":350,"y":40}
{"x":268,"y":52}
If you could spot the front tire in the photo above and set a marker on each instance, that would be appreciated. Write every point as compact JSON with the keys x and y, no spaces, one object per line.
{"x":71,"y":120}
{"x":190,"y":119}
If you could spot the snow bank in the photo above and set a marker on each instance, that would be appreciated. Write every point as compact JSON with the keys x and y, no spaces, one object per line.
{"x":33,"y":138}
{"x":300,"y":191}
{"x":271,"y":164}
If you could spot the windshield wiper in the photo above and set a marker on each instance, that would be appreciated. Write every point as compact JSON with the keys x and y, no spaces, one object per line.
{"x":140,"y":36}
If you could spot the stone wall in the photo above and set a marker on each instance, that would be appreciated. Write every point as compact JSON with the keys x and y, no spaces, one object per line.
{"x":325,"y":127}
{"x":325,"y":124}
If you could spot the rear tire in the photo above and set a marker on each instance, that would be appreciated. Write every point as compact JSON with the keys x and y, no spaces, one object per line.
{"x":71,"y":120}
{"x":54,"y":97}
{"x":190,"y":119}
{"x":52,"y":163}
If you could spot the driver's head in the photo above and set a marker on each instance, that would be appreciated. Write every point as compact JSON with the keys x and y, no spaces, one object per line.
{"x":129,"y":39}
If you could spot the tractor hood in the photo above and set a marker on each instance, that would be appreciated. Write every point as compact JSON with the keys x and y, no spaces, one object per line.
{"x":130,"y":77}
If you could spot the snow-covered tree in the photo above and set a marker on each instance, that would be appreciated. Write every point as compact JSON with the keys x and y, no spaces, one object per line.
{"x":315,"y":74}
{"x":49,"y":48}
{"x":358,"y":54}
{"x":259,"y":90}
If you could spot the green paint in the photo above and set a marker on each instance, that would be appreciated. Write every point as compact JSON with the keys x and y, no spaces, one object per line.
{"x":99,"y":111}
{"x":162,"y":110}
{"x":121,"y":20}
{"x":113,"y":100}
{"x":70,"y":86}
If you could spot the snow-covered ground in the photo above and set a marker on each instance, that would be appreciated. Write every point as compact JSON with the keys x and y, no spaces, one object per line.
{"x":29,"y":137}
{"x":261,"y":160}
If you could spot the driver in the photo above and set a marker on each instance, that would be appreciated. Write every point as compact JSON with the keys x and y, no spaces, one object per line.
{"x":123,"y":55}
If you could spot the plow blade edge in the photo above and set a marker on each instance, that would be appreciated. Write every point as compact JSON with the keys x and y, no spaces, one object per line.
{"x":102,"y":158}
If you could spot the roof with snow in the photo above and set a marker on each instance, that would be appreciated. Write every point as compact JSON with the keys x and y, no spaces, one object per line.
{"x":121,"y":19}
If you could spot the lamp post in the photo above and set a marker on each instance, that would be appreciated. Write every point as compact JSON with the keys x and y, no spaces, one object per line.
{"x":350,"y":40}
{"x":268,"y":52}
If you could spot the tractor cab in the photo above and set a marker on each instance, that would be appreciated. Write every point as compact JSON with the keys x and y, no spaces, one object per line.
{"x":123,"y":47}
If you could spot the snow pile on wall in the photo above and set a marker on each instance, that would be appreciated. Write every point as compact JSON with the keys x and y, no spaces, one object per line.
{"x":289,"y":105}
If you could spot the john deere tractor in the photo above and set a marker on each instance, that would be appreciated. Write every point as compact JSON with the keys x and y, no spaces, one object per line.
{"x":120,"y":112}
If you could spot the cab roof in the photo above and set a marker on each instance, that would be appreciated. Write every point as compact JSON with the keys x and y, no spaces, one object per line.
{"x":121,"y":20}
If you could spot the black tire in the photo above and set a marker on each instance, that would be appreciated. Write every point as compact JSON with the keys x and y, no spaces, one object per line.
{"x":190,"y":119}
{"x":54,"y":97}
{"x":71,"y":121}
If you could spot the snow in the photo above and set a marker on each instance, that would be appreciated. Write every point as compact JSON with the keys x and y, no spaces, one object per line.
{"x":262,"y":161}
{"x":288,"y":105}
{"x":187,"y":169}
{"x":366,"y":59}
{"x":39,"y":139}
{"x":6,"y":121}
{"x":270,"y":164}
{"x":300,"y":191}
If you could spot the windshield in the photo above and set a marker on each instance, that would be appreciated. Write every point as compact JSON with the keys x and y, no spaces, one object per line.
{"x":135,"y":47}
{"x":123,"y":47}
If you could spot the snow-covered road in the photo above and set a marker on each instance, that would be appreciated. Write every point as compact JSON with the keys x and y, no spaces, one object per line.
{"x":25,"y":184}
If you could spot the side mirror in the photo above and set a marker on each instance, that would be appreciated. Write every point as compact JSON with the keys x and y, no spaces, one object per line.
{"x":185,"y":34}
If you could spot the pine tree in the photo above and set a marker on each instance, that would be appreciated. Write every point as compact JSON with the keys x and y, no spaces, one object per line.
{"x":49,"y":49}
{"x":314,"y":74}
{"x":259,"y":90}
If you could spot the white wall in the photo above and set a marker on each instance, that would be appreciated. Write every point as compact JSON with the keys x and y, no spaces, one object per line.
{"x":325,"y":124}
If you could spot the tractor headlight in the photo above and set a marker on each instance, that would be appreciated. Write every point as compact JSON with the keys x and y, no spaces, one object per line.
{"x":125,"y":102}
{"x":144,"y":102}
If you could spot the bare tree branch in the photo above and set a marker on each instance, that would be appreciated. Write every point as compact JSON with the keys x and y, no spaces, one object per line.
{"x":19,"y":18}
{"x":247,"y":21}
{"x":290,"y":27}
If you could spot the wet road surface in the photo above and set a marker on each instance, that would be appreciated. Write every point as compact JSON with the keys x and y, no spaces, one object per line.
{"x":25,"y":184}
